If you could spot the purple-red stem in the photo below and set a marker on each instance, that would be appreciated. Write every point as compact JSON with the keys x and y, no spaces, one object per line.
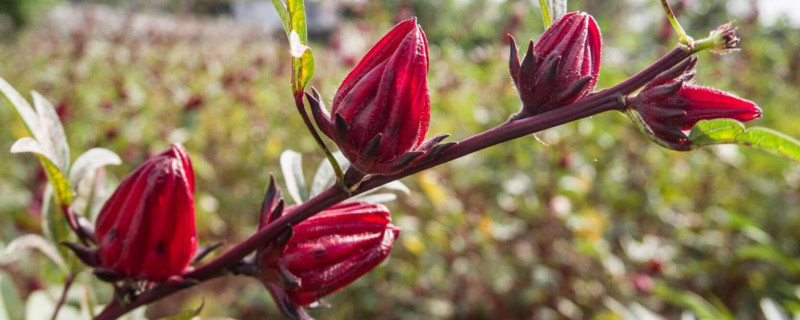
{"x":606,"y":100}
{"x":63,"y":298}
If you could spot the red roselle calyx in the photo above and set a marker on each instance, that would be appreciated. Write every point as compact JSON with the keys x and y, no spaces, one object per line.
{"x":324,"y":253}
{"x":670,"y":105}
{"x":380,"y":114}
{"x":146,"y":229}
{"x":561,"y":68}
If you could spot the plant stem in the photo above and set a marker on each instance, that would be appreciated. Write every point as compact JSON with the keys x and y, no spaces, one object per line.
{"x":606,"y":100}
{"x":684,"y":38}
{"x":301,"y":107}
{"x":72,"y":220}
{"x":63,"y":298}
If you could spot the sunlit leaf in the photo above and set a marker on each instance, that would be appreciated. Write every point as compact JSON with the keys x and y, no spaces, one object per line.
{"x":727,"y":131}
{"x":55,"y":138}
{"x":54,"y":174}
{"x":54,"y":224}
{"x":91,"y":160}
{"x":34,"y":242}
{"x":283,"y":12}
{"x":293,"y":16}
{"x":325,"y":176}
{"x":772,"y":311}
{"x":22,"y":108}
{"x":11,"y":307}
{"x":292,"y":168}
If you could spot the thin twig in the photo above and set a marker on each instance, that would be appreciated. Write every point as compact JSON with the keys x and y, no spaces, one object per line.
{"x":63,"y":297}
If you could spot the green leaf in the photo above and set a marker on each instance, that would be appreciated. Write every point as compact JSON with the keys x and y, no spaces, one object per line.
{"x":771,"y":255}
{"x":35,"y":242}
{"x":325,"y":175}
{"x":293,"y":16}
{"x":54,"y":223}
{"x":186,"y":315}
{"x":91,"y":160}
{"x":728,"y":131}
{"x":772,"y":311}
{"x":55,"y":138}
{"x":687,"y":299}
{"x":54,"y":174}
{"x":283,"y":12}
{"x":292,"y":168}
{"x":23,"y":109}
{"x":11,"y":307}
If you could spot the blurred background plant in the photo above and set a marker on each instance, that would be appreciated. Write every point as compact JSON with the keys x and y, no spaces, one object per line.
{"x":594,"y":222}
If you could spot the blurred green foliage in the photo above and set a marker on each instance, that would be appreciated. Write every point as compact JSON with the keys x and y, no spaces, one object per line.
{"x":584,"y":225}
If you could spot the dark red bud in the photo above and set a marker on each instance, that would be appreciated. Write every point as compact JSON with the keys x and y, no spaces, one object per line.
{"x":670,"y":105}
{"x":382,"y":109}
{"x":327,"y":252}
{"x":146,"y":230}
{"x":561,"y":68}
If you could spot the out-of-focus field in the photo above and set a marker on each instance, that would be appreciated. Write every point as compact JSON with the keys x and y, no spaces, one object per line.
{"x":594,"y":222}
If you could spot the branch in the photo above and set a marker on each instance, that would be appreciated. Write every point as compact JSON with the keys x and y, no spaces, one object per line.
{"x":606,"y":100}
{"x":63,"y":297}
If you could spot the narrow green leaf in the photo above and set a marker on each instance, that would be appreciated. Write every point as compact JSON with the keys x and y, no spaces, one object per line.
{"x":91,"y":160}
{"x":54,"y":175}
{"x":293,"y":16}
{"x":52,"y":130}
{"x":292,"y":168}
{"x":304,"y":71}
{"x":22,"y":108}
{"x":54,"y":224}
{"x":728,"y":131}
{"x":283,"y":12}
{"x":687,"y":299}
{"x":11,"y":306}
{"x":35,"y":242}
{"x":770,"y":255}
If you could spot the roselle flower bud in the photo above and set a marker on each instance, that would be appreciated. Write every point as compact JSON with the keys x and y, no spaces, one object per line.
{"x":380,"y":114}
{"x":325,"y":253}
{"x":561,"y":68}
{"x":146,"y":229}
{"x":670,"y":105}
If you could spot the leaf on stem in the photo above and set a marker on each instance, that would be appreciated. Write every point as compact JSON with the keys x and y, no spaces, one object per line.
{"x":728,"y":131}
{"x":293,"y":16}
{"x":91,"y":160}
{"x":11,"y":306}
{"x":54,"y":174}
{"x":292,"y":168}
{"x":34,"y":242}
{"x":49,"y":142}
